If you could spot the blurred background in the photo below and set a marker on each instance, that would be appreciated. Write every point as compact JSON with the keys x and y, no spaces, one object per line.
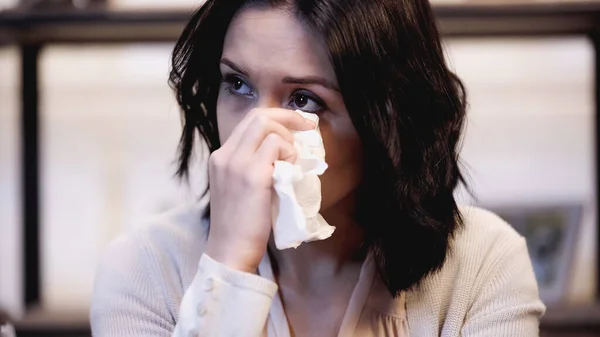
{"x":89,"y":131}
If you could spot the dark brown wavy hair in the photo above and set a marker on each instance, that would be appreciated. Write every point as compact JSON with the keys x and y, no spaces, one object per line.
{"x":406,"y":105}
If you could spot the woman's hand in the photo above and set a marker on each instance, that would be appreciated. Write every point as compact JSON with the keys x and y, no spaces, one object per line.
{"x":240,"y":175}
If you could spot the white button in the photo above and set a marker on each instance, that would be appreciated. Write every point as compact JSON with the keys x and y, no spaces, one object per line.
{"x":208,"y":284}
{"x":201,"y":309}
{"x":193,"y":333}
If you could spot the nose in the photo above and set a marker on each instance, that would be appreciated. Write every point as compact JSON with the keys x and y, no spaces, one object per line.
{"x":268,"y":100}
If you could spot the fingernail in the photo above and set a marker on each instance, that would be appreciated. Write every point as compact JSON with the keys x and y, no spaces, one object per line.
{"x":310,"y":123}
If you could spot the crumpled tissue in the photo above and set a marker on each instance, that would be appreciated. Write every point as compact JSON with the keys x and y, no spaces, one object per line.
{"x":297,"y":197}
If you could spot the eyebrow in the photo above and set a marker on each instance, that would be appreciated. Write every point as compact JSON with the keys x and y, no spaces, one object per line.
{"x":288,"y":79}
{"x":311,"y":80}
{"x":234,"y":66}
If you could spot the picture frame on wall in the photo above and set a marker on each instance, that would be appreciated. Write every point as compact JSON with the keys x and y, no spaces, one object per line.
{"x":551,"y":232}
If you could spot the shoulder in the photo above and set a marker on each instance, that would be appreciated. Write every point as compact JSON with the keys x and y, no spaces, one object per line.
{"x":478,"y":247}
{"x":488,"y":260}
{"x":183,"y":229}
{"x":155,"y":262}
{"x":178,"y":233}
{"x":483,"y":233}
{"x":478,"y":250}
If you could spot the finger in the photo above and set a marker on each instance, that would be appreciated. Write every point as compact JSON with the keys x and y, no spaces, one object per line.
{"x":288,"y":118}
{"x":258,"y":131}
{"x":274,"y":148}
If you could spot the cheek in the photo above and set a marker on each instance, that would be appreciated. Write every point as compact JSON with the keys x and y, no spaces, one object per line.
{"x":228,"y":116}
{"x":343,"y":154}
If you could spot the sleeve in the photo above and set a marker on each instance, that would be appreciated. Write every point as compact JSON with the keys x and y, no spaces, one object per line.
{"x":127,"y":299}
{"x":130,"y":297}
{"x":508,"y":304}
{"x":224,"y":302}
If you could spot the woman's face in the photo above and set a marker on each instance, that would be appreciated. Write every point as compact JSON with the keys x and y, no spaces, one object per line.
{"x":270,"y":60}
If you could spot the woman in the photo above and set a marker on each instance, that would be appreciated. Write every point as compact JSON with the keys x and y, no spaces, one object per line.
{"x":404,"y":259}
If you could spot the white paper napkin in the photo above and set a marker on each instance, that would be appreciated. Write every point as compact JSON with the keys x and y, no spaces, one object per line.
{"x":297,"y":198}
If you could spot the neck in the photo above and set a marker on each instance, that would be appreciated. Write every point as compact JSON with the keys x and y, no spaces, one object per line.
{"x":313,"y":262}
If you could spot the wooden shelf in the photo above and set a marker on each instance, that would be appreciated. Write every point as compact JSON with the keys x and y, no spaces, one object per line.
{"x":520,"y":18}
{"x":40,"y":318}
{"x":571,"y":321}
{"x":565,"y":317}
{"x":464,"y":19}
{"x":39,"y":322}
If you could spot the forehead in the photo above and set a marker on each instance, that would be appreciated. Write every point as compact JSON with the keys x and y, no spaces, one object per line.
{"x":273,"y":40}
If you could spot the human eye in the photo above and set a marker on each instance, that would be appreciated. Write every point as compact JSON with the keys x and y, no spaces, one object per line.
{"x":306,"y":101}
{"x":237,"y":86}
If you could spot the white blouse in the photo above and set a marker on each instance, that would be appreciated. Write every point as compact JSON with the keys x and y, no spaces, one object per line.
{"x":223,"y":302}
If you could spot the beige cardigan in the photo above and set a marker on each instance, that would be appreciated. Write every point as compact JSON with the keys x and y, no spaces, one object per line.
{"x":156,"y":281}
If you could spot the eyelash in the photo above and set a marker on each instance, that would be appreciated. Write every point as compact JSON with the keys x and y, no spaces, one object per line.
{"x":311,"y":96}
{"x":230,"y":79}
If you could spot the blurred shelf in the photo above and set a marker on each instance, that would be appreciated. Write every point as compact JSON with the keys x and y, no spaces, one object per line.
{"x":38,"y":322}
{"x":558,"y":321}
{"x":518,"y":18}
{"x":572,"y":317}
{"x":455,"y":19}
{"x":94,"y":26}
{"x":40,"y":318}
